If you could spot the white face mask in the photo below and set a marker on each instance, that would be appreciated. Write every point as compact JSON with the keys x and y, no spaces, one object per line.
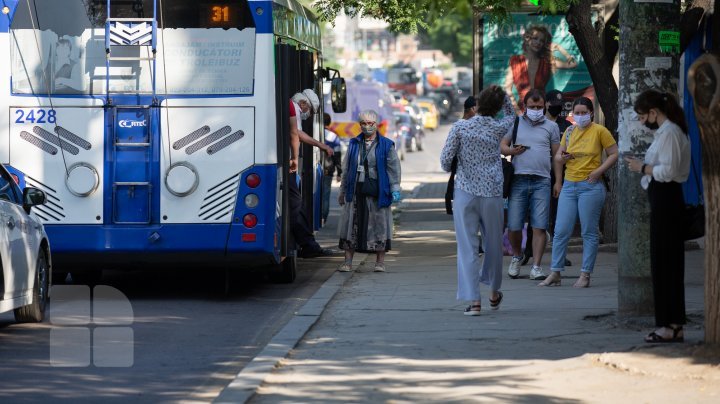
{"x":582,"y":120}
{"x":534,"y":114}
{"x":304,"y":115}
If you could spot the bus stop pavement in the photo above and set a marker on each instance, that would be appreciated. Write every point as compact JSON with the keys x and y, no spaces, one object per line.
{"x":401,"y":336}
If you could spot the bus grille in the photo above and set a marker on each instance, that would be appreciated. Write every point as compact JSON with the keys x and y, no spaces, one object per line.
{"x":52,"y":210}
{"x":219,"y":200}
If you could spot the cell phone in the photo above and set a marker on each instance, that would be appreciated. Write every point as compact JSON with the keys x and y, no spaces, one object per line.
{"x":522,"y":145}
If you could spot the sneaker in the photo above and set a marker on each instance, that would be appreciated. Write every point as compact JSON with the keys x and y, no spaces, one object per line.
{"x":379,"y":267}
{"x":514,"y":268}
{"x":537,"y":273}
{"x":345,"y":267}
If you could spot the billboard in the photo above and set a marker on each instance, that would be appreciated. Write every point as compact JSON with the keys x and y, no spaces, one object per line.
{"x":534,"y":51}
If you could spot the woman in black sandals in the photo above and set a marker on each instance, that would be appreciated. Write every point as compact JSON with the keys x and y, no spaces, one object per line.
{"x":477,"y":197}
{"x":666,"y":165}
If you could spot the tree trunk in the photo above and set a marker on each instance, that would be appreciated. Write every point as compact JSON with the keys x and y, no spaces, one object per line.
{"x":704,"y":86}
{"x":589,"y":43}
{"x":643,"y":65}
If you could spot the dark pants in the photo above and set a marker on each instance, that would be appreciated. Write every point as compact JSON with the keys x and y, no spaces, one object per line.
{"x":667,"y":252}
{"x":299,"y":223}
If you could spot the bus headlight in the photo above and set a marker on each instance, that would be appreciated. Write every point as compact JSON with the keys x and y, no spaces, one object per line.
{"x":251,"y":200}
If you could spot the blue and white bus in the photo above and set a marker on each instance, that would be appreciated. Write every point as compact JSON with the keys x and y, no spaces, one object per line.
{"x":159,"y":128}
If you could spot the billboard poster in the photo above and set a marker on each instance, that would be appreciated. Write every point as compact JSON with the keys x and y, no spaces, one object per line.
{"x":534,"y":51}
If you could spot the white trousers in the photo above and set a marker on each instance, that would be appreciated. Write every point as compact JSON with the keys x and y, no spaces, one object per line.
{"x":470,"y":214}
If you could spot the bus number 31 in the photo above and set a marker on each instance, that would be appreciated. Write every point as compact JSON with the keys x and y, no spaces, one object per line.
{"x":35,"y":116}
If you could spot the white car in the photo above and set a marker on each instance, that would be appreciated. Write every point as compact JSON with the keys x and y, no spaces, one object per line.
{"x":24,"y":252}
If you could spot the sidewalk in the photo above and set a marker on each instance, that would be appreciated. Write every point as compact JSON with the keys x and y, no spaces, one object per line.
{"x":401,"y":336}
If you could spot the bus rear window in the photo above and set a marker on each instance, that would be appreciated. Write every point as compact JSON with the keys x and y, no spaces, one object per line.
{"x":204,"y":47}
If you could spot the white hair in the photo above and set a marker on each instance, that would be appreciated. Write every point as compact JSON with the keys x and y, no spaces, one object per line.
{"x":368,"y":115}
{"x":300,"y":97}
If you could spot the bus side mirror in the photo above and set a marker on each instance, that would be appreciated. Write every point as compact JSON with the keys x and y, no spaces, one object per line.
{"x":338,"y":95}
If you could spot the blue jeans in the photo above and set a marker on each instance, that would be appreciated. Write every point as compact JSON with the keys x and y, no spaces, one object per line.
{"x":578,"y":199}
{"x":533,"y":192}
{"x":327,"y":187}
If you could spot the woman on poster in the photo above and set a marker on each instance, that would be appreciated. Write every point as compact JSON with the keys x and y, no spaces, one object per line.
{"x":537,"y":64}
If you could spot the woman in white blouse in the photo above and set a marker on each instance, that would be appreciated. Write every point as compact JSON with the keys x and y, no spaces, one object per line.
{"x":477,"y":202}
{"x":665,"y":167}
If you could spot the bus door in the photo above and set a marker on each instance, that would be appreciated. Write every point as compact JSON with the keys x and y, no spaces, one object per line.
{"x":309,"y":154}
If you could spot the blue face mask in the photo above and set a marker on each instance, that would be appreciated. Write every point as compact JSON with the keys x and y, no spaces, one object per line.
{"x":535,"y":115}
{"x":582,"y":120}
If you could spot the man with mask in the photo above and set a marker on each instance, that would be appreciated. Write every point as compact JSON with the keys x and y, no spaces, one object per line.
{"x":537,"y":140}
{"x":302,"y":105}
{"x":554,"y":107}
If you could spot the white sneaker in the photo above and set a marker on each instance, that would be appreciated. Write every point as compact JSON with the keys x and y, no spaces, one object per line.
{"x":537,"y":273}
{"x":514,"y":268}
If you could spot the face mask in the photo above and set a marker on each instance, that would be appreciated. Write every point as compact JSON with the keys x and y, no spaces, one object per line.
{"x":555,"y":110}
{"x":583,"y":120}
{"x":651,"y":125}
{"x":534,"y":114}
{"x":368,"y":130}
{"x":304,"y":115}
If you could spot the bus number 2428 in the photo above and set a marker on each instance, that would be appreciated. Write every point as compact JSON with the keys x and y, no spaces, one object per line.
{"x":35,"y":116}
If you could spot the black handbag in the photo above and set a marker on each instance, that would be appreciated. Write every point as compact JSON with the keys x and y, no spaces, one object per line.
{"x":450,"y":190}
{"x":369,"y":187}
{"x":694,"y":215}
{"x":507,"y":167}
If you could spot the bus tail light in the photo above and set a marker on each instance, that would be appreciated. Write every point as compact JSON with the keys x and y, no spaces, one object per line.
{"x":249,"y":237}
{"x":252,"y":180}
{"x":250,"y":220}
{"x":251,"y":200}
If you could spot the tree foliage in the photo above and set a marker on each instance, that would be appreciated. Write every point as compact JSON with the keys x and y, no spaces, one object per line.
{"x":410,"y":15}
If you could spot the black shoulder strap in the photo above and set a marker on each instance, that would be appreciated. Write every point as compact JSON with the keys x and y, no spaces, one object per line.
{"x":515,"y":128}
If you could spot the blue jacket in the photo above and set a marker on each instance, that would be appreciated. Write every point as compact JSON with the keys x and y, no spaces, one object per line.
{"x":381,"y":152}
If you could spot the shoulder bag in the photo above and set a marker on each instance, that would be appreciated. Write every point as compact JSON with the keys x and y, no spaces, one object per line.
{"x":694,"y":215}
{"x":507,"y":167}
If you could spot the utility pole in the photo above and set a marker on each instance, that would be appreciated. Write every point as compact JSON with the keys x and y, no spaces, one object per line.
{"x":649,"y":59}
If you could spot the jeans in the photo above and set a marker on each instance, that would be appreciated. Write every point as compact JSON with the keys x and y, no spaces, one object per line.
{"x":529,"y":192}
{"x":327,"y":187}
{"x":578,"y":199}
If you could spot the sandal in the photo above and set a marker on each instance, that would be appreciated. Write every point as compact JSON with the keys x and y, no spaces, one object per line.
{"x":583,"y":281}
{"x":472,"y":310}
{"x":495,"y":304}
{"x":677,"y":336}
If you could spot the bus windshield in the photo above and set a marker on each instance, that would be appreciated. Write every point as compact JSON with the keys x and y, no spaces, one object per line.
{"x":204,"y":47}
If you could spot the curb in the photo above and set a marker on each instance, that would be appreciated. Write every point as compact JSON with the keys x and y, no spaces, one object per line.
{"x":252,"y":376}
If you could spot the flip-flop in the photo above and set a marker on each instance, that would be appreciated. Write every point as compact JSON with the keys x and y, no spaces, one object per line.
{"x":495,"y":304}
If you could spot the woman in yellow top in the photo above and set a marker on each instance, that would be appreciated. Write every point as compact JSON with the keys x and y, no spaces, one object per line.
{"x":583,"y":192}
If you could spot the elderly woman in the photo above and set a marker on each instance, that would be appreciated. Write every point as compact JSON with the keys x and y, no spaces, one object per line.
{"x":370,"y":184}
{"x":478,"y":203}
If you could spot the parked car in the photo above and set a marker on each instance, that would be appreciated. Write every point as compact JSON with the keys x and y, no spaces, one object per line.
{"x":24,"y":252}
{"x":411,"y":130}
{"x":430,"y":114}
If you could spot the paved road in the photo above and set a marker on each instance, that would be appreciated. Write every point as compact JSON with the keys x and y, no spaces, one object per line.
{"x":189,"y":337}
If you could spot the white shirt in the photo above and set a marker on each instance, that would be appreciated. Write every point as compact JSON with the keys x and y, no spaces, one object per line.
{"x":669,"y":154}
